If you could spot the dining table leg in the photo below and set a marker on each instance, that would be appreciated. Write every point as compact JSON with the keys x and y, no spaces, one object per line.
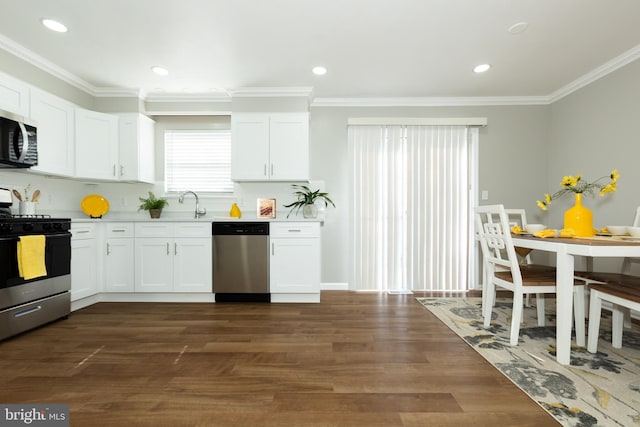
{"x":564,"y":305}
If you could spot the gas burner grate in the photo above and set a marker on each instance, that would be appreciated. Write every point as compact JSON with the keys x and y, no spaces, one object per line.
{"x":40,"y":216}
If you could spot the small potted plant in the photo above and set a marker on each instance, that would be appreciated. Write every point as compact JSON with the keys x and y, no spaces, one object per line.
{"x":153,"y":204}
{"x":307,"y":201}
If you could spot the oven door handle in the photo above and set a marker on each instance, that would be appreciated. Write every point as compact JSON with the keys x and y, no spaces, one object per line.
{"x":28,"y":311}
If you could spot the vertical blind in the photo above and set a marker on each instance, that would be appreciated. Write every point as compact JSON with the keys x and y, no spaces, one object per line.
{"x":410,"y":207}
{"x":198,"y":161}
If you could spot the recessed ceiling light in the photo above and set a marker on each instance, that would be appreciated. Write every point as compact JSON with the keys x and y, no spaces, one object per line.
{"x":161,"y":71}
{"x":481,"y":68}
{"x":319,"y":71}
{"x":518,"y":28}
{"x":54,"y":25}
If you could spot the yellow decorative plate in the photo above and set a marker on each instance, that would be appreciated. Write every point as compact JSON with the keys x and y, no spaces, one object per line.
{"x":94,"y":205}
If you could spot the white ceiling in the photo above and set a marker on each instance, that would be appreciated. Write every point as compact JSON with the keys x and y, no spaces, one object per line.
{"x":371,"y":48}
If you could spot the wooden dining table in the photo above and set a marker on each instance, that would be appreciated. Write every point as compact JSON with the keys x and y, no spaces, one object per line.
{"x":566,"y":249}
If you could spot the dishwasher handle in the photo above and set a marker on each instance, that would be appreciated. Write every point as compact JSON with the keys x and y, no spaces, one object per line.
{"x":240,"y":228}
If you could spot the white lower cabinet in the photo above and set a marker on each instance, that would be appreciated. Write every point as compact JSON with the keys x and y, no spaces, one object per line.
{"x":119,"y":256}
{"x":84,"y":261}
{"x":295,"y":262}
{"x":173,"y":257}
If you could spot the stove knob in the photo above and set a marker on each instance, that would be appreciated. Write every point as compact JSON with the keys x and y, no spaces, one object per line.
{"x":46,"y":226}
{"x":57,"y":226}
{"x":27,"y":227}
{"x":6,"y":227}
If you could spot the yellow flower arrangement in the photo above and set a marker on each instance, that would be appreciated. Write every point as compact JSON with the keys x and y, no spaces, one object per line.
{"x":575,"y":184}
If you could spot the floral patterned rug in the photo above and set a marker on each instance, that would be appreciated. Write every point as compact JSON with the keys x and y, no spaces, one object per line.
{"x":601,"y":389}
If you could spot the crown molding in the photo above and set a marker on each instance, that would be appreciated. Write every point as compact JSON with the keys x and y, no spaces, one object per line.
{"x":115,"y":92}
{"x":49,"y":67}
{"x":596,"y":74}
{"x":186,"y":97}
{"x":431,"y":101}
{"x":45,"y":65}
{"x":258,"y":92}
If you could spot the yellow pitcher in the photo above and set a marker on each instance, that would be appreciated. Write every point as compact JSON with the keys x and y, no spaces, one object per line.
{"x":235,"y":211}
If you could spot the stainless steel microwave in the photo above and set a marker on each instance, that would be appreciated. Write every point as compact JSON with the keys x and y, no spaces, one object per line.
{"x":18,"y":142}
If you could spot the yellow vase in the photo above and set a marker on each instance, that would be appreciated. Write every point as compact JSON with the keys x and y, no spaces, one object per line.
{"x":579,"y":219}
{"x":235,"y":211}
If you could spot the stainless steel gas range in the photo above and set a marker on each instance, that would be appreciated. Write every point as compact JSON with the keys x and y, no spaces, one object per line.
{"x":28,"y":303}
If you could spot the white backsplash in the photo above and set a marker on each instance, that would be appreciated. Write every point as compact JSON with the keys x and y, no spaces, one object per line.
{"x":63,"y":196}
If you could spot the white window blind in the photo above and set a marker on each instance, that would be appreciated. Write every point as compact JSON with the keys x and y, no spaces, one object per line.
{"x":198,"y":160}
{"x":410,"y":206}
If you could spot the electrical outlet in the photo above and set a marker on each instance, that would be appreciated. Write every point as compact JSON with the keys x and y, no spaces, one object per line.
{"x":484,"y":195}
{"x":123,"y":201}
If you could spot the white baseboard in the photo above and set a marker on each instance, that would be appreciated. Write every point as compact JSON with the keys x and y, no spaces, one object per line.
{"x":334,"y":286}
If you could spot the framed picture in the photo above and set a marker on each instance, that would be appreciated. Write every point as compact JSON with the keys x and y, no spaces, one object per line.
{"x":266,"y":208}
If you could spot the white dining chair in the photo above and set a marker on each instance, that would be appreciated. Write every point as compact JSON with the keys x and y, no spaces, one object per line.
{"x":504,"y":271}
{"x":517,"y":217}
{"x":622,"y":297}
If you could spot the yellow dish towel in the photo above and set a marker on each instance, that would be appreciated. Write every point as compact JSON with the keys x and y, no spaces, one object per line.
{"x":565,"y":232}
{"x":546,"y":233}
{"x":31,"y":257}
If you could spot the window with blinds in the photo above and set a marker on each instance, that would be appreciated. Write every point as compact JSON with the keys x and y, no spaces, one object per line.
{"x":198,"y":160}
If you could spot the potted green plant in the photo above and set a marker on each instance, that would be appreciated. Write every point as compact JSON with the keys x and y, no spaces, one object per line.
{"x":306,"y":200}
{"x":153,"y":204}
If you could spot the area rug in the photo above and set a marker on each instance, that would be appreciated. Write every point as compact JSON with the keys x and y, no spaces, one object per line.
{"x":601,"y":389}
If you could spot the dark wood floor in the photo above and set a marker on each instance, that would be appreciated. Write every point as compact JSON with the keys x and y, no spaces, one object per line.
{"x":356,"y":359}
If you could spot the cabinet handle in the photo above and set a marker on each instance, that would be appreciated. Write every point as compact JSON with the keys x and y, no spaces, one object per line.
{"x":118,"y":230}
{"x":121,"y":170}
{"x":114,"y":170}
{"x":81,"y":231}
{"x":175,"y":249}
{"x":265,"y":170}
{"x":108,"y":249}
{"x":271,"y":169}
{"x":273,"y":249}
{"x":294,"y":230}
{"x":168,"y":253}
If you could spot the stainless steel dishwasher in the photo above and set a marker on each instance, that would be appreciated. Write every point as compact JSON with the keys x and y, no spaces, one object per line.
{"x":241,"y":261}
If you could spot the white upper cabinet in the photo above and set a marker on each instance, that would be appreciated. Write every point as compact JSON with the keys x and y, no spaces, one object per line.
{"x":14,"y":95}
{"x":55,"y":120}
{"x":136,"y":148}
{"x":270,"y":147}
{"x":96,"y":145}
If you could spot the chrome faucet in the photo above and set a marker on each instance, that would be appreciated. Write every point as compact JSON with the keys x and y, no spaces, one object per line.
{"x":199,"y":212}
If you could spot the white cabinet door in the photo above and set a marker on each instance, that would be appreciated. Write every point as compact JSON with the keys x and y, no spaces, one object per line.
{"x":84,"y":268}
{"x":55,"y":120}
{"x":192,"y":265}
{"x":119,"y":265}
{"x":14,"y":95}
{"x":289,"y":147}
{"x":250,"y":147}
{"x":295,"y":258}
{"x":295,"y":266}
{"x":167,"y":264}
{"x":270,"y":147}
{"x":136,"y":148}
{"x":96,"y":145}
{"x":153,"y":265}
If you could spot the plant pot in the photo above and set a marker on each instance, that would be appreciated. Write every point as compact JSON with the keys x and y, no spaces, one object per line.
{"x":155,"y":213}
{"x":310,"y":211}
